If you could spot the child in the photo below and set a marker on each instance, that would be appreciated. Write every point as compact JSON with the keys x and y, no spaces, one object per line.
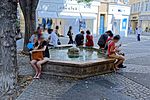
{"x":113,"y":52}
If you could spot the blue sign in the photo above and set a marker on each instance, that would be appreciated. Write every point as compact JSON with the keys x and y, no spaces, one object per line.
{"x":124,"y":24}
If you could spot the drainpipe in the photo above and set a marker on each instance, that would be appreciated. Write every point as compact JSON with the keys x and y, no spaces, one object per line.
{"x":98,"y":20}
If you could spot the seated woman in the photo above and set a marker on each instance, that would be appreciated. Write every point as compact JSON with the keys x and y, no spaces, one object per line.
{"x":89,"y":39}
{"x":40,"y":46}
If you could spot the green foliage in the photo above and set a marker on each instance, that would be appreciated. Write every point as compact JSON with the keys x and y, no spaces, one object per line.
{"x":86,"y":1}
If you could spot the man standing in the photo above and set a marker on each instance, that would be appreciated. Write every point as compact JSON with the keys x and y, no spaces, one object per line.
{"x":79,"y":39}
{"x":103,"y":39}
{"x":138,"y":33}
{"x":54,"y":37}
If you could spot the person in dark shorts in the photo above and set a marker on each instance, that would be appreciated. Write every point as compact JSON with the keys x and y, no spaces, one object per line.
{"x":79,"y":39}
{"x":70,"y":34}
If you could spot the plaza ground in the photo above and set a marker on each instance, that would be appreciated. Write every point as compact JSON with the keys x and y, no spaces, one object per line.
{"x":132,"y":83}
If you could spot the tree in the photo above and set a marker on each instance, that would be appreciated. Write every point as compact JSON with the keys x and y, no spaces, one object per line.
{"x":8,"y":68}
{"x":86,"y":1}
{"x":29,"y":11}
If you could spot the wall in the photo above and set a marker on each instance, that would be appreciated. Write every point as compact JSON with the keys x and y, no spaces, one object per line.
{"x":140,"y":12}
{"x":118,"y":15}
{"x":69,"y":10}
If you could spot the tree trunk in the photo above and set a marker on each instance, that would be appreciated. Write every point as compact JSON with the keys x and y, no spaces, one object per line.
{"x":8,"y":72}
{"x":29,"y":11}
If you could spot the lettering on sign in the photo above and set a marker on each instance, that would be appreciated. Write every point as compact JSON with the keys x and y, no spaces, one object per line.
{"x":67,"y":7}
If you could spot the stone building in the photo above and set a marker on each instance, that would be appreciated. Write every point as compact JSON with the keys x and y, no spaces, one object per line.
{"x":96,"y":16}
{"x":114,"y":15}
{"x":140,"y":14}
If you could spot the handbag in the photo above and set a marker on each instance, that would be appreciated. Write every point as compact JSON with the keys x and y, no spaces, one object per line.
{"x":37,"y":55}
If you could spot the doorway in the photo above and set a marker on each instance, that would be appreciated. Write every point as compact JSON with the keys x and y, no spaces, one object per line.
{"x":102,"y":24}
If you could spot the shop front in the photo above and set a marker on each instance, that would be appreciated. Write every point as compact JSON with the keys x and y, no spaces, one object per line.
{"x":145,"y":22}
{"x":134,"y":18}
{"x":118,"y":19}
{"x":65,"y":13}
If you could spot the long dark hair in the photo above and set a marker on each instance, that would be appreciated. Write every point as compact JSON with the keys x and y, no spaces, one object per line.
{"x":70,"y":28}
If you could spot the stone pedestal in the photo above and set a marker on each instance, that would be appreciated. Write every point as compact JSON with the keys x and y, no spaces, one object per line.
{"x":78,"y":70}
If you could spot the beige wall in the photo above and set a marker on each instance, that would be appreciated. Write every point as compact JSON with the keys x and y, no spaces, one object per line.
{"x":133,"y":1}
{"x":140,"y":8}
{"x":22,"y":22}
{"x":103,"y":9}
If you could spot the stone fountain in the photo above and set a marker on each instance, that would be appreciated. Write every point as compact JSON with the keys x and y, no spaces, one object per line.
{"x":77,"y":62}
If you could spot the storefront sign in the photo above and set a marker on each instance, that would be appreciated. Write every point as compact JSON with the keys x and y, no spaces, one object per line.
{"x":66,"y":6}
{"x":124,"y":24}
{"x":118,"y":9}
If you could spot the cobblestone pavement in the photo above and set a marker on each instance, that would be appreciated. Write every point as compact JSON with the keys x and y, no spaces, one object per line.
{"x":131,"y":83}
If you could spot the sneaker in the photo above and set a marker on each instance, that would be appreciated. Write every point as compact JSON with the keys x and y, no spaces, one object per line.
{"x":122,"y":66}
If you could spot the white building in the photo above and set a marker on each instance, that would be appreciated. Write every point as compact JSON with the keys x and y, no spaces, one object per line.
{"x":118,"y":18}
{"x":65,"y":13}
{"x":140,"y":14}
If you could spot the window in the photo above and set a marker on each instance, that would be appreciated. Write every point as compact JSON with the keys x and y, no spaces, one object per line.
{"x":149,"y":6}
{"x":146,"y":6}
{"x":142,"y":6}
{"x":138,"y":6}
{"x":126,"y":1}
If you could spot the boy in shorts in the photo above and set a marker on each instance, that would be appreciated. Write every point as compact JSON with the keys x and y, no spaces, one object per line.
{"x":113,"y":52}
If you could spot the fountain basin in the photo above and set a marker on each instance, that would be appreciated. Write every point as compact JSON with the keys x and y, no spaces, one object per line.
{"x":89,"y":63}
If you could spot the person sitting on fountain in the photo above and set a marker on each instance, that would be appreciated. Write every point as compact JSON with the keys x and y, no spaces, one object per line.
{"x":79,"y":39}
{"x":41,"y":47}
{"x":89,"y":39}
{"x":103,"y":39}
{"x":113,"y":52}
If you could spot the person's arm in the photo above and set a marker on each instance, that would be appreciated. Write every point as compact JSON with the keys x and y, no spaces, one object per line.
{"x":68,"y":33}
{"x":36,"y":50}
{"x":82,"y":40}
{"x":30,"y":40}
{"x":55,"y":40}
{"x":44,"y":45}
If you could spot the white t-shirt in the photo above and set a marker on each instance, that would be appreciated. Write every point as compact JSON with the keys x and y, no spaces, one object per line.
{"x":139,"y":31}
{"x":54,"y":39}
{"x":46,"y":35}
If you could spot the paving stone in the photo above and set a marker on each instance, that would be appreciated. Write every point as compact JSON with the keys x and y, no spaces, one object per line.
{"x":128,"y":84}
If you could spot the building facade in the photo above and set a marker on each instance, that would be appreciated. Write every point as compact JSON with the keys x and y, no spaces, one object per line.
{"x":114,"y":15}
{"x":140,"y":14}
{"x":97,"y":16}
{"x":65,"y":13}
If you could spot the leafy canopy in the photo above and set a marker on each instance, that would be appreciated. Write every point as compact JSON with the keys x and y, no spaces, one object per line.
{"x":86,"y":1}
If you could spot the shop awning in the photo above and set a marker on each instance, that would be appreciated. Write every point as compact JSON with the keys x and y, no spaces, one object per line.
{"x":69,"y":15}
{"x":88,"y":16}
{"x":46,"y":14}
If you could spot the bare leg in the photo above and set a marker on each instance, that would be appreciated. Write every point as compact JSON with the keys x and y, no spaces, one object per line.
{"x":120,"y":60}
{"x":33,"y":63}
{"x":118,"y":63}
{"x":39,"y":63}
